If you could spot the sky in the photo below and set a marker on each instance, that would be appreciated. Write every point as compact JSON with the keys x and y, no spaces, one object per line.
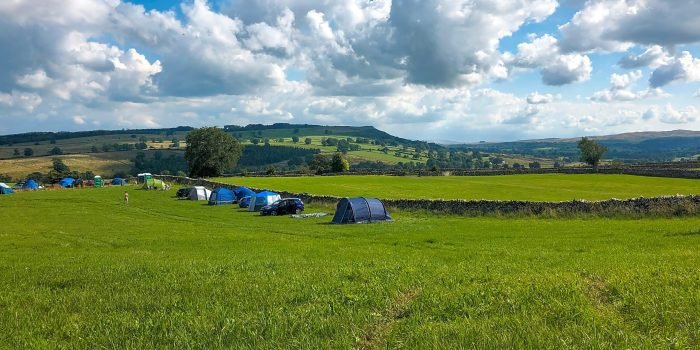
{"x":436,"y":70}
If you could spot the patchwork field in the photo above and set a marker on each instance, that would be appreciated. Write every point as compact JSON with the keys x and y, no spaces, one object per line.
{"x":548,"y":187}
{"x":78,"y":269}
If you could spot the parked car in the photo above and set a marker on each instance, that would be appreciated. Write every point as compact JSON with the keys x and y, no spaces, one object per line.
{"x":183,"y":193}
{"x":244,"y":202}
{"x":284,"y":206}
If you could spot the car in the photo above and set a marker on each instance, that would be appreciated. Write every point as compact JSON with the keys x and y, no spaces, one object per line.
{"x":183,"y":193}
{"x":284,"y":206}
{"x":244,"y":202}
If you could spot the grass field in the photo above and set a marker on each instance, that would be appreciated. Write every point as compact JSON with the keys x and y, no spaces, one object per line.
{"x":78,"y":269}
{"x":100,"y":163}
{"x":548,"y":187}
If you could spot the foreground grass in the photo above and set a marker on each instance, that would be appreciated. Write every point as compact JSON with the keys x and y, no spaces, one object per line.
{"x":548,"y":187}
{"x":78,"y":269}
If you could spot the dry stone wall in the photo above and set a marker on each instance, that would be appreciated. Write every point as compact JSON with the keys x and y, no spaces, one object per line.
{"x":661,"y":206}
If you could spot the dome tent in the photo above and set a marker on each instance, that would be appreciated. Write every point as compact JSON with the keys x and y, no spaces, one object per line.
{"x":221,"y":196}
{"x":241,"y":192}
{"x":118,"y":181}
{"x":199,"y":193}
{"x":154,"y":184}
{"x":66,"y":182}
{"x":30,"y":185}
{"x":262,"y":199}
{"x":6,"y":190}
{"x":360,"y":210}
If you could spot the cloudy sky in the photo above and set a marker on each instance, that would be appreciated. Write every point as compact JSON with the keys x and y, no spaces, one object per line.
{"x":462,"y":70}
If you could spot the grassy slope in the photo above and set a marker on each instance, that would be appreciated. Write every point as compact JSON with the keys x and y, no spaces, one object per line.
{"x":100,"y":163}
{"x":550,"y":187}
{"x":178,"y":274}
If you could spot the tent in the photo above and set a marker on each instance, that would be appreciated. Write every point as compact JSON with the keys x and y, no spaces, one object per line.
{"x":360,"y":210}
{"x":244,"y":202}
{"x":154,"y":184}
{"x":241,"y":192}
{"x":66,"y":182}
{"x":6,"y":190}
{"x":262,"y":199}
{"x":4,"y":185}
{"x":221,"y":196}
{"x":199,"y":193}
{"x":30,"y":185}
{"x":118,"y":181}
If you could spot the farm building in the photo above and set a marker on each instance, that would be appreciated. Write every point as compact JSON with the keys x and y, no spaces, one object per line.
{"x":262,"y":199}
{"x":199,"y":193}
{"x":221,"y":196}
{"x":360,"y":210}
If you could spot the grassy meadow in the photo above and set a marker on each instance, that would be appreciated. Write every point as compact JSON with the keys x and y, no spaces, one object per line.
{"x":79,"y":269}
{"x":546,"y":187}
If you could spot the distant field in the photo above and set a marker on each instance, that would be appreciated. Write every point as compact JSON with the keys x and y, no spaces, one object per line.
{"x":100,"y":163}
{"x":550,"y":187}
{"x":81,"y":270}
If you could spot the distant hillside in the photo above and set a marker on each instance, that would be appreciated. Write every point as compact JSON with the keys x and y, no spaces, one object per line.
{"x":631,"y":147}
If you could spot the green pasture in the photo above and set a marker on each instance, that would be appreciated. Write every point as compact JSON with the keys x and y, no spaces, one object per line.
{"x":81,"y":270}
{"x":547,"y":187}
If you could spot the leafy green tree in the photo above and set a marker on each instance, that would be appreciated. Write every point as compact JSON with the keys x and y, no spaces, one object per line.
{"x":307,"y":141}
{"x":210,"y":151}
{"x":94,"y":149}
{"x":339,"y":164}
{"x":59,"y":167}
{"x":255,"y":141}
{"x":591,"y":152}
{"x":56,"y":151}
{"x":28,"y":152}
{"x":16,"y":152}
{"x":295,"y":139}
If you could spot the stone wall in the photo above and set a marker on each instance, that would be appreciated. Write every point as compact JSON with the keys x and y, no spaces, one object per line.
{"x":662,"y":206}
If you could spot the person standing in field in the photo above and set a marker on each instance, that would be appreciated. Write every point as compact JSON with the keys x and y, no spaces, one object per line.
{"x":126,"y":197}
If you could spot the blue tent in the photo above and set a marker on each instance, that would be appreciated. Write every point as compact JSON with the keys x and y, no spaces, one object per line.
{"x":66,"y":182}
{"x":262,"y":199}
{"x":244,"y":202}
{"x":118,"y":181}
{"x":30,"y":185}
{"x":360,"y":210}
{"x":6,"y":190}
{"x":241,"y":192}
{"x":221,"y":196}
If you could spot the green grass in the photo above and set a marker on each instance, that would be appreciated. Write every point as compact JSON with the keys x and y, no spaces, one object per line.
{"x":549,"y":187}
{"x":78,"y":269}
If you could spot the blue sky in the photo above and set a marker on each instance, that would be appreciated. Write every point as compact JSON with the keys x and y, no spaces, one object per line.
{"x":433,"y":69}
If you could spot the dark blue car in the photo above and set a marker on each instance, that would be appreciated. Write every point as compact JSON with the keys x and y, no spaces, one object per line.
{"x":284,"y":206}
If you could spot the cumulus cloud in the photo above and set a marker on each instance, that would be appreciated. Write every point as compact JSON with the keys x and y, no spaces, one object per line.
{"x":670,"y":115}
{"x":682,"y":68}
{"x":654,"y":57}
{"x":620,"y":89}
{"x":536,"y":98}
{"x":555,"y":68}
{"x":616,"y":25}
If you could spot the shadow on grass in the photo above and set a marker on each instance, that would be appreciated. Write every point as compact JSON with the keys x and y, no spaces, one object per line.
{"x":695,"y":232}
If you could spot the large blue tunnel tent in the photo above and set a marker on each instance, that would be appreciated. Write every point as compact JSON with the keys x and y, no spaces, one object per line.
{"x":66,"y":182}
{"x":360,"y":210}
{"x":118,"y":181}
{"x":221,"y":196}
{"x":30,"y":185}
{"x":241,"y":192}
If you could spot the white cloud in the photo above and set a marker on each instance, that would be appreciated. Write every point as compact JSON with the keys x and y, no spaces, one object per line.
{"x":556,"y":68}
{"x":621,"y":89}
{"x":654,"y":57}
{"x":79,"y":119}
{"x":536,"y":98}
{"x":22,"y":100}
{"x":682,"y":68}
{"x":670,"y":115}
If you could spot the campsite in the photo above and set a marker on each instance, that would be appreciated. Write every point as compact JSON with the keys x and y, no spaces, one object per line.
{"x":162,"y":272}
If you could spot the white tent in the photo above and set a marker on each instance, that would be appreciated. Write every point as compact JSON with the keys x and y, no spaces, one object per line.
{"x":4,"y":185}
{"x":199,"y":193}
{"x":262,"y":199}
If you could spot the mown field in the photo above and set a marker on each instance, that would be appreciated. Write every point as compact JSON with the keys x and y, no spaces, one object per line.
{"x":78,"y":269}
{"x":547,"y":187}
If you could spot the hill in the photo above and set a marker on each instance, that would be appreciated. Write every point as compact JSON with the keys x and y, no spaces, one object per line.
{"x":629,"y":147}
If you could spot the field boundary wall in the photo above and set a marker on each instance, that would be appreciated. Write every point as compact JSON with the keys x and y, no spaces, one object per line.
{"x":679,"y":205}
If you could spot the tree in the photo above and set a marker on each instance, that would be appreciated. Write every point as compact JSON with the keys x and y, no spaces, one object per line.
{"x":16,"y":152}
{"x":94,"y":149}
{"x":535,"y":165}
{"x":343,"y":146}
{"x":56,"y":151}
{"x":307,"y":141}
{"x":255,"y":141}
{"x":59,"y":167}
{"x":339,"y":164}
{"x":28,"y":152}
{"x":295,"y":139}
{"x":591,"y":152}
{"x":210,"y":151}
